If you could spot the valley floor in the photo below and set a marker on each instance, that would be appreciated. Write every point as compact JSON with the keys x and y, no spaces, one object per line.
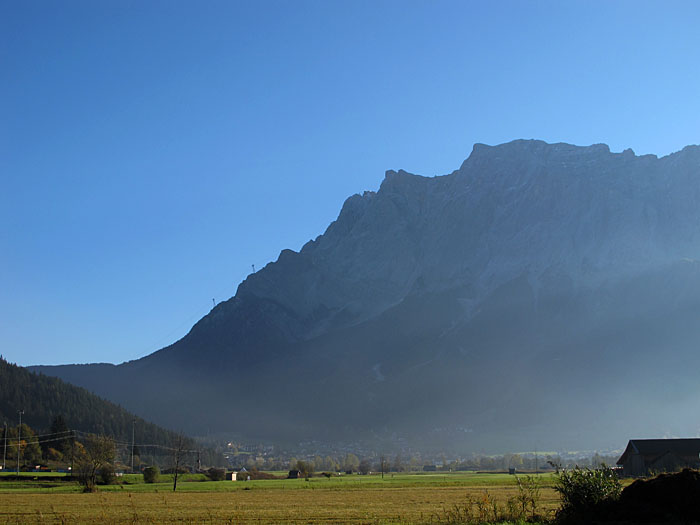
{"x":406,"y":498}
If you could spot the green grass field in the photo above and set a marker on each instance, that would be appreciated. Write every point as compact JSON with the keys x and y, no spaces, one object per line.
{"x":401,"y":498}
{"x":10,"y":473}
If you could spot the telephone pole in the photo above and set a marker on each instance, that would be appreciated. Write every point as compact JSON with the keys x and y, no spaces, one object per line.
{"x":133,"y":426}
{"x":19,"y":438}
{"x":4,"y":453}
{"x":72,"y":451}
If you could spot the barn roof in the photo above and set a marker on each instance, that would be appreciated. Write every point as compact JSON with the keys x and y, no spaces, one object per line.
{"x":652,"y":448}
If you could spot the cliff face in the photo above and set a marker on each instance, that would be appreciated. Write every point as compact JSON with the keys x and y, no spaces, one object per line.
{"x":460,"y":301}
{"x":584,"y":215}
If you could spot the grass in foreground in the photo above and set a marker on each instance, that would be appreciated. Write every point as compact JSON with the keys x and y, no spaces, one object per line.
{"x":408,"y":498}
{"x":372,"y":505}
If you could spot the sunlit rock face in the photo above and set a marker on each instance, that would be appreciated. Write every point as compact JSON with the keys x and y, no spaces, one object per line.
{"x":542,"y":295}
{"x":562,"y":215}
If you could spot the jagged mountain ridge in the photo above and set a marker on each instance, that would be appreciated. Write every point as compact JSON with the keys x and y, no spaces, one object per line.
{"x":527,"y":248}
{"x":587,"y":213}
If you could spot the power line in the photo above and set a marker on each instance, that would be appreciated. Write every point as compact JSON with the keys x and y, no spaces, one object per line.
{"x":50,"y":433}
{"x":68,"y":434}
{"x":53,"y":433}
{"x":139,"y":445}
{"x":39,"y":441}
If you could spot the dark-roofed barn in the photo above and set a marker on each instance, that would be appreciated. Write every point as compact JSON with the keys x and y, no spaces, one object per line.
{"x":645,"y":456}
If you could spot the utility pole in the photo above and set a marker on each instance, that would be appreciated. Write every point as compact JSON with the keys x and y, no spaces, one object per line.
{"x":72,"y":450}
{"x":4,"y":453}
{"x":19,"y":438}
{"x":133,"y":426}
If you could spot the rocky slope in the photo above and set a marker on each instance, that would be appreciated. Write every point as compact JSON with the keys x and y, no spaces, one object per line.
{"x":542,"y":295}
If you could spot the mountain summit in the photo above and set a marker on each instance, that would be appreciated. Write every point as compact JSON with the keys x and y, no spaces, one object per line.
{"x":542,"y":295}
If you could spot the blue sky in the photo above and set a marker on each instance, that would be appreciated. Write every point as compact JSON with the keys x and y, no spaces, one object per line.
{"x":151,"y":152}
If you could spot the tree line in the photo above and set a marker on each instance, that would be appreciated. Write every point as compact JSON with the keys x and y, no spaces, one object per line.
{"x":351,"y":462}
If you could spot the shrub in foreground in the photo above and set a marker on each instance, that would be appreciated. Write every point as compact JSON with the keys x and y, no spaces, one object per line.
{"x":485,"y":509}
{"x":586,"y":492}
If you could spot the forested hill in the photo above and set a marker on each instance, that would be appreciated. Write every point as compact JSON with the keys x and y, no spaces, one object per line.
{"x":42,"y":398}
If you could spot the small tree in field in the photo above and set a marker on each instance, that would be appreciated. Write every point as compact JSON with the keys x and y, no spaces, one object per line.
{"x":151,"y":474}
{"x":306,"y":468}
{"x":178,"y":456}
{"x":95,"y":454}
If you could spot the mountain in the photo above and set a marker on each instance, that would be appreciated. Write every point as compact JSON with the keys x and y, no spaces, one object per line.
{"x":540,"y":296}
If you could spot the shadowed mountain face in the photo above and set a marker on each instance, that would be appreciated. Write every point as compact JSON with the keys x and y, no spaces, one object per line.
{"x":541,"y":296}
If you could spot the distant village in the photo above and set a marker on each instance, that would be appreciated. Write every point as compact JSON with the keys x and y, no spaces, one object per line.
{"x":641,"y":457}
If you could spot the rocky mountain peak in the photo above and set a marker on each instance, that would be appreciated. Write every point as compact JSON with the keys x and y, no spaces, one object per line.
{"x":521,"y":208}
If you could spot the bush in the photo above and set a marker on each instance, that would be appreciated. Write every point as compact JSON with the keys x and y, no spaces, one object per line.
{"x":528,"y":498}
{"x":306,"y":468}
{"x":107,"y":475}
{"x":216,"y":474}
{"x":521,"y":509}
{"x":585,"y":492}
{"x":151,"y":474}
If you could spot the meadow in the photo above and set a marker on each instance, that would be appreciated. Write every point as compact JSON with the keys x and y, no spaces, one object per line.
{"x":401,"y":498}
